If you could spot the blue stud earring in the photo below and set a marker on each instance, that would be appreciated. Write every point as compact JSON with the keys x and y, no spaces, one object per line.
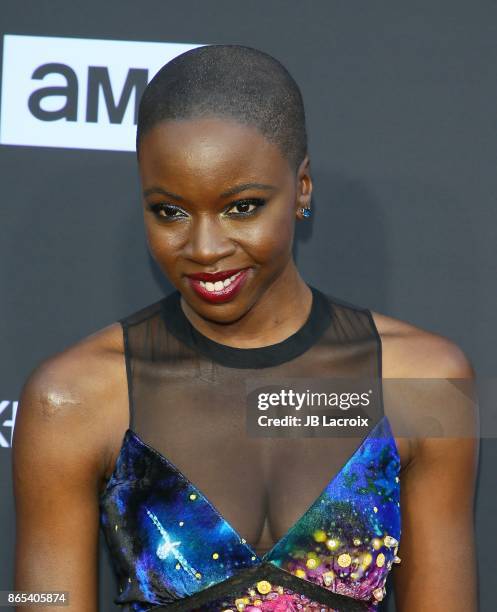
{"x":306,"y":212}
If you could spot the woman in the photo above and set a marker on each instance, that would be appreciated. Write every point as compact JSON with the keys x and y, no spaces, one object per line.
{"x":141,"y":426}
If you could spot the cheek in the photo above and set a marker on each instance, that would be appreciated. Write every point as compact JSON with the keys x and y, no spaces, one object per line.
{"x":271,"y":238}
{"x":164,"y":246}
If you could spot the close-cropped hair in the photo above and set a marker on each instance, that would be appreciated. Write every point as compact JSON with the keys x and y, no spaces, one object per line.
{"x":229,"y":81}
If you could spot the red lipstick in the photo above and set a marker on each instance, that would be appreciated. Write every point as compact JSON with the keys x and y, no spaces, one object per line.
{"x":221,"y":293}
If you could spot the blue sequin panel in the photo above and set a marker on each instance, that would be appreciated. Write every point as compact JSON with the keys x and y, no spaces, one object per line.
{"x":348,"y":539}
{"x":158,"y":527}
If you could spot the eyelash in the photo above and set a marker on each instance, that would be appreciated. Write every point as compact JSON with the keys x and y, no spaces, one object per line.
{"x":157,"y":208}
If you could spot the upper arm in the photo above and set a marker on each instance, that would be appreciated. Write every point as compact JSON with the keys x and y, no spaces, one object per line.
{"x":437,"y":548}
{"x":58,"y":462}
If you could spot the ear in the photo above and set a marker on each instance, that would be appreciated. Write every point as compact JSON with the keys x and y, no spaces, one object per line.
{"x":304,"y":186}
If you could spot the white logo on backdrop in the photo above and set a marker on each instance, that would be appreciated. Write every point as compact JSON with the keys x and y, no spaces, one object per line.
{"x":76,"y":93}
{"x":8,"y":411}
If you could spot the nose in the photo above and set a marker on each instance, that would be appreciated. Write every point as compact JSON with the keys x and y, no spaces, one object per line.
{"x":208,"y":241}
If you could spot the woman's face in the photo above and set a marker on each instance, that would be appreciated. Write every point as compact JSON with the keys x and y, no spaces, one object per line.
{"x":218,"y":196}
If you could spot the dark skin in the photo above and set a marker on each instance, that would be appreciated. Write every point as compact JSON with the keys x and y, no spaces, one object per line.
{"x":65,"y":445}
{"x":207,"y":234}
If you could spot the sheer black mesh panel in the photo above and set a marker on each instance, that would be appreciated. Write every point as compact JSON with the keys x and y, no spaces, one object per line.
{"x":189,"y":403}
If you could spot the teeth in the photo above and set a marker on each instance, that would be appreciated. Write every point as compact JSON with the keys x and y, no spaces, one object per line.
{"x":219,"y":285}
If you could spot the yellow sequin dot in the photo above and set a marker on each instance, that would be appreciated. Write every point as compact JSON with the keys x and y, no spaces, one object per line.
{"x":253,"y":558}
{"x":332,"y":544}
{"x":357,"y":542}
{"x":367,"y":558}
{"x":280,"y":590}
{"x":263,"y":586}
{"x":193,"y":496}
{"x":177,"y":566}
{"x":116,"y":527}
{"x":390,"y":541}
{"x":380,"y":560}
{"x":258,"y":602}
{"x":319,"y":535}
{"x":300,"y":573}
{"x":375,"y":509}
{"x":344,"y":560}
{"x":378,"y":593}
{"x":198,"y":575}
{"x":252,"y":593}
{"x":354,"y":575}
{"x":312,"y":563}
{"x":376,"y":542}
{"x":241,"y":603}
{"x":215,"y":555}
{"x":328,"y":577}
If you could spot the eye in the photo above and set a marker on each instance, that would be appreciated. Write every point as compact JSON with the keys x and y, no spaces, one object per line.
{"x":163,"y":211}
{"x":169,"y":212}
{"x":243,"y":207}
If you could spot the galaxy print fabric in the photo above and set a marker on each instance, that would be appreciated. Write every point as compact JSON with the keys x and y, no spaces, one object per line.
{"x":167,"y":542}
{"x":348,"y":540}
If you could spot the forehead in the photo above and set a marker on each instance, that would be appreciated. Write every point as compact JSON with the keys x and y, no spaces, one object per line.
{"x":209,"y":152}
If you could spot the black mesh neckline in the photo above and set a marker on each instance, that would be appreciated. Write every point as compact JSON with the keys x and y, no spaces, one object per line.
{"x":300,"y":341}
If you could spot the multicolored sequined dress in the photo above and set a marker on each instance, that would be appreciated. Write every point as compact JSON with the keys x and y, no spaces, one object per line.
{"x":199,"y":515}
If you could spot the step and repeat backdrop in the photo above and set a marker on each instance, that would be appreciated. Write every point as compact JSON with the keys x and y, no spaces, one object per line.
{"x":400,"y":102}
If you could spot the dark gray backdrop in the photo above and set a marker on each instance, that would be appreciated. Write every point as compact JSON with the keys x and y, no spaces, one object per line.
{"x":400,"y":100}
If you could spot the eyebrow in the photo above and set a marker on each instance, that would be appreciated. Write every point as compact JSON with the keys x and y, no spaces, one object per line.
{"x":244,"y":187}
{"x":229,"y":192}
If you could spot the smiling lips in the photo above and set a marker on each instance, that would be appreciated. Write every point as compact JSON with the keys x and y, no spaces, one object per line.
{"x":221,"y":287}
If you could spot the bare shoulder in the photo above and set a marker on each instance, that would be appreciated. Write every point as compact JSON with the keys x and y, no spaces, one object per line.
{"x":70,"y":408}
{"x":410,"y":351}
{"x":77,"y":397}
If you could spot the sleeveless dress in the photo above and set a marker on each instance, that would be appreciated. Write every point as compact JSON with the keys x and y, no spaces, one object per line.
{"x":200,"y":515}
